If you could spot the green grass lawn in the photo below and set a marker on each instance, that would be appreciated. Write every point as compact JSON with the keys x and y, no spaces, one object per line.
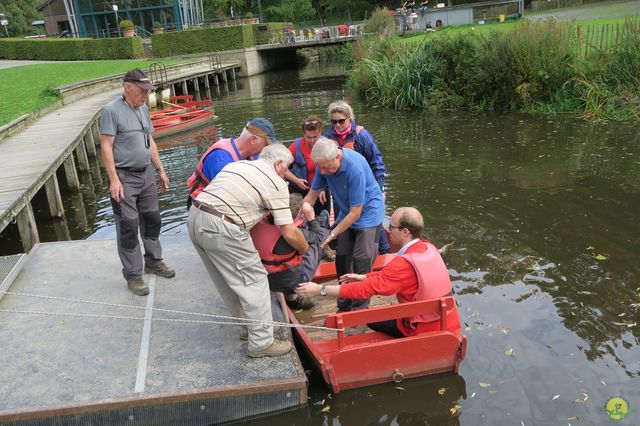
{"x":617,"y":12}
{"x":26,"y":89}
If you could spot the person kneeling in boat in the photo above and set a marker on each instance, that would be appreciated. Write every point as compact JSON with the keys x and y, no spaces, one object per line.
{"x":416,"y":273}
{"x":286,"y":267}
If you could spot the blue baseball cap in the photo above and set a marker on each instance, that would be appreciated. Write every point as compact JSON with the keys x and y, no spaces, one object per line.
{"x":262,"y":127}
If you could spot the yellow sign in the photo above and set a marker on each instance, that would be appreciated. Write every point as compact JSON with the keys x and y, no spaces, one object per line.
{"x":617,"y":408}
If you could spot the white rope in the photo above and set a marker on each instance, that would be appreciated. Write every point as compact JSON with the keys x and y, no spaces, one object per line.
{"x":234,"y":320}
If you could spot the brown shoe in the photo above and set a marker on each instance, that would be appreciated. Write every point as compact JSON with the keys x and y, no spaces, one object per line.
{"x":277,"y":348}
{"x":160,"y":269}
{"x":138,"y":286}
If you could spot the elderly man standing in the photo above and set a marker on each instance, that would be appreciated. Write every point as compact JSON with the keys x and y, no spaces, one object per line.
{"x":359,"y":200}
{"x":219,"y":223}
{"x":417,"y":273}
{"x":130,"y":157}
{"x":257,"y":134}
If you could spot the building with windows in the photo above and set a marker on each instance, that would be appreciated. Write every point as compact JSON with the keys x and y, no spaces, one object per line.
{"x":96,"y":18}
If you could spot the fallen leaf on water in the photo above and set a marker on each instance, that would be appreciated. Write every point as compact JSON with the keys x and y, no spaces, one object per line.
{"x":326,"y":409}
{"x":509,"y":352}
{"x":455,"y":408}
{"x":473,"y":394}
{"x":400,"y":388}
{"x":441,"y":391}
{"x":493,"y":391}
{"x":506,"y":330}
{"x":586,"y":292}
{"x":622,"y":314}
{"x":555,"y":397}
{"x":633,"y":324}
{"x":484,"y":385}
{"x":573,"y":418}
{"x":601,"y":257}
{"x":602,"y":381}
{"x":585,"y":396}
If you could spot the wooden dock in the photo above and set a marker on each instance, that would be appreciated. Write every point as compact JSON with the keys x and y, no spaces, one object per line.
{"x":128,"y":359}
{"x":67,"y":138}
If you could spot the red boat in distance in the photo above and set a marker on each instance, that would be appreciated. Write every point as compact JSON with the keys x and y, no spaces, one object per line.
{"x":354,"y":356}
{"x":181,"y":114}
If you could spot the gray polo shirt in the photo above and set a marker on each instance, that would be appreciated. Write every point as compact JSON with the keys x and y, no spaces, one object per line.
{"x":131,"y":127}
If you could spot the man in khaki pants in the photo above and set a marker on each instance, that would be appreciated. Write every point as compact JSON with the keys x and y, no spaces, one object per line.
{"x":219,"y":223}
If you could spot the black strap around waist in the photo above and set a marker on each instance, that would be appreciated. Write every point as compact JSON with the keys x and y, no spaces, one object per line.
{"x":133,"y":169}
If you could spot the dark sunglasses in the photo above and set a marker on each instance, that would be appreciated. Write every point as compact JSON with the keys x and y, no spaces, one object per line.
{"x":340,"y":121}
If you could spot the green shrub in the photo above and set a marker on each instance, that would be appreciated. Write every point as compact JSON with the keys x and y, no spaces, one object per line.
{"x":545,"y":58}
{"x":203,"y":40}
{"x":71,"y":49}
{"x":126,"y":25}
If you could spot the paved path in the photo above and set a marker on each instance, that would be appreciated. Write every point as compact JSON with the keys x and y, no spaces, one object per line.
{"x":592,"y":11}
{"x":5,"y":63}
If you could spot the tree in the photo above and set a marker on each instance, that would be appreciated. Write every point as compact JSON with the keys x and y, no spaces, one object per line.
{"x":20,"y":14}
{"x":292,"y":10}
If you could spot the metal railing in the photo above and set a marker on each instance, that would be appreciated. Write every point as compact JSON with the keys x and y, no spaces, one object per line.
{"x":158,"y":73}
{"x":299,"y":35}
{"x":215,"y":61}
{"x":142,"y":32}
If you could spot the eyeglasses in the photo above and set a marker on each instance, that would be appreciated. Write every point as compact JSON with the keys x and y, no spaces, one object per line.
{"x":395,"y":227}
{"x":340,"y":121}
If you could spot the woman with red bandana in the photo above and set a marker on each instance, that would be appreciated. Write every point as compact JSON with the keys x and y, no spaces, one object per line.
{"x":349,"y":134}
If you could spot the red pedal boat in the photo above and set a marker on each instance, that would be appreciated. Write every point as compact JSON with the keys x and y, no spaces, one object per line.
{"x":359,"y":356}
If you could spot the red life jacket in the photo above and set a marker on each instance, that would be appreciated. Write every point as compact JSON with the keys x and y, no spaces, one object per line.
{"x":265,"y":235}
{"x":198,"y":181}
{"x":433,"y":282}
{"x":350,"y":143}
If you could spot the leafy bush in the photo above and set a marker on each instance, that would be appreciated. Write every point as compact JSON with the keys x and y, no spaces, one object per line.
{"x":545,"y":56}
{"x":126,"y":25}
{"x":71,"y":49}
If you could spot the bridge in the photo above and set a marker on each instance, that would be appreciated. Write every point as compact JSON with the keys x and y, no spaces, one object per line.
{"x":280,"y":49}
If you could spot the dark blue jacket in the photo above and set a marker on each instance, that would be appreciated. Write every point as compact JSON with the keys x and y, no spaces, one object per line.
{"x":366,"y":146}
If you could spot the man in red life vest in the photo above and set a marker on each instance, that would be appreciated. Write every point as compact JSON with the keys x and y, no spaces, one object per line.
{"x":417,"y":273}
{"x":287,"y":267}
{"x":257,"y":134}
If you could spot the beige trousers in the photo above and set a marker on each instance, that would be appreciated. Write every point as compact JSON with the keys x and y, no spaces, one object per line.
{"x":232,"y":261}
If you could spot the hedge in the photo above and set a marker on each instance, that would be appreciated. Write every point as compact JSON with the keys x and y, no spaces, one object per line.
{"x":214,"y":39}
{"x":202,"y":40}
{"x":71,"y":49}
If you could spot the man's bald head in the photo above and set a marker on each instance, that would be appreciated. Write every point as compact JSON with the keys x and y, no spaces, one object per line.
{"x":410,"y":218}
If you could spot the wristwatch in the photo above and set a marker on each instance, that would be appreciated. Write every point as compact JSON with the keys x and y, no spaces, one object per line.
{"x":333,"y":236}
{"x":323,"y":290}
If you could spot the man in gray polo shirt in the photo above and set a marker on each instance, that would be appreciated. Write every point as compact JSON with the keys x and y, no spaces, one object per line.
{"x":130,"y":156}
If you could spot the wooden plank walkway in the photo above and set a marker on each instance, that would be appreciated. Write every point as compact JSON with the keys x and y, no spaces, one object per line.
{"x":30,"y":158}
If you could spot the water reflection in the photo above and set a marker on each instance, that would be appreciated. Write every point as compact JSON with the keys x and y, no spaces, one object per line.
{"x":543,"y":212}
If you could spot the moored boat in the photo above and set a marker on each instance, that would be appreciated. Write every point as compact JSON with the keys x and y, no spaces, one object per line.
{"x":172,"y":124}
{"x":181,"y":114}
{"x":354,"y":356}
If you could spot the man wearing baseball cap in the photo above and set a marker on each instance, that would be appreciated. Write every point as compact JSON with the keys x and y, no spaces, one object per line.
{"x":131,"y":158}
{"x":256,"y":134}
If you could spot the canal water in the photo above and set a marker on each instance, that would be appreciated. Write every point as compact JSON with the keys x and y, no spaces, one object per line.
{"x":543,"y":213}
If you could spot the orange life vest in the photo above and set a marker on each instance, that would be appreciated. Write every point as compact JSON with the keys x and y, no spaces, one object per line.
{"x":198,"y":181}
{"x":433,"y":281}
{"x":350,"y":144}
{"x":265,"y":235}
